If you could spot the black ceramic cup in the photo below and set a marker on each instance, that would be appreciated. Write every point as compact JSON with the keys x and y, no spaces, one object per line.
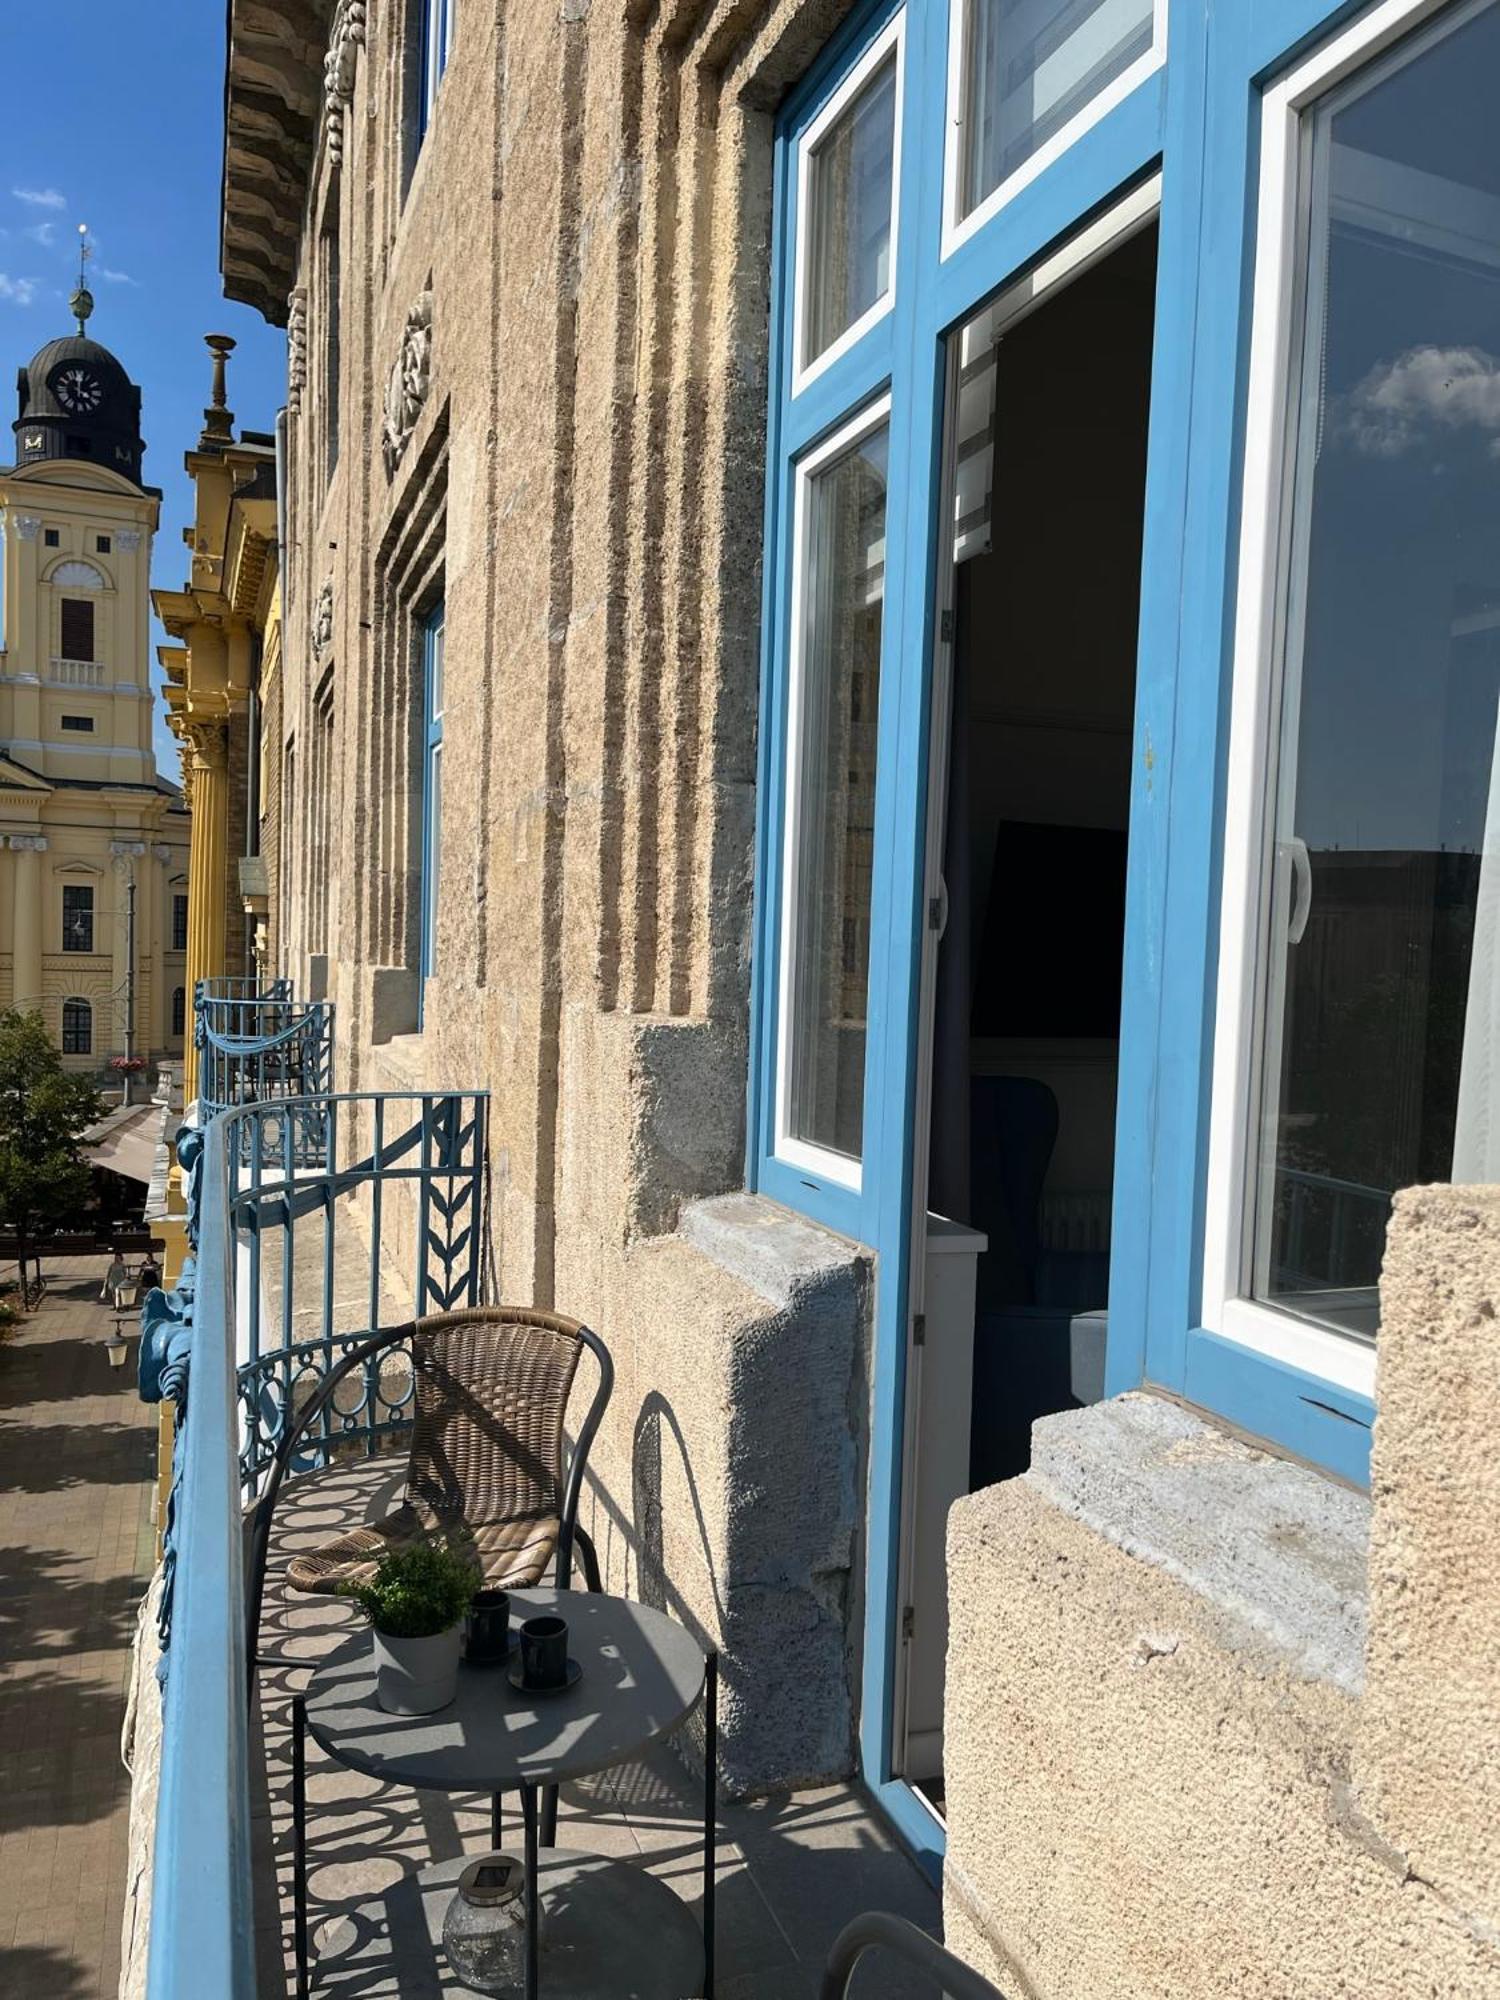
{"x":487,"y":1629}
{"x":544,"y":1651}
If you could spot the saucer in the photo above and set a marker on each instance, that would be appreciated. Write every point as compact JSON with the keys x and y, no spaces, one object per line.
{"x":513,"y":1675}
{"x":504,"y":1660}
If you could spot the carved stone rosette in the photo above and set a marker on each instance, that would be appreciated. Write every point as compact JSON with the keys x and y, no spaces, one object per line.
{"x":410,"y":380}
{"x":321,"y":630}
{"x":346,"y":38}
{"x":296,"y":348}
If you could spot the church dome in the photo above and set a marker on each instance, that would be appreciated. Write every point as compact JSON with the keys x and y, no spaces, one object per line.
{"x":75,"y":401}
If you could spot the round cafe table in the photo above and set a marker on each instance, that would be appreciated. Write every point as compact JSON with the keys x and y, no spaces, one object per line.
{"x":612,"y":1931}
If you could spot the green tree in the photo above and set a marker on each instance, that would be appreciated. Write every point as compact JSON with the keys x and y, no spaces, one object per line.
{"x":43,"y":1115}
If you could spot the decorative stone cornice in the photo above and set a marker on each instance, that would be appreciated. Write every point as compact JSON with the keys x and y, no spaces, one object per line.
{"x":296,"y":347}
{"x":345,"y":40}
{"x":273,"y":103}
{"x":410,"y":380}
{"x":321,"y":630}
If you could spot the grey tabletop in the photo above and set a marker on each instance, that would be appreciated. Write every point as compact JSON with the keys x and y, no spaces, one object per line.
{"x":642,"y":1674}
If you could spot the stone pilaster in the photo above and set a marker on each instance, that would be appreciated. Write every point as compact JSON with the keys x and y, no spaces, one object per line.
{"x":26,"y":920}
{"x":208,"y":858}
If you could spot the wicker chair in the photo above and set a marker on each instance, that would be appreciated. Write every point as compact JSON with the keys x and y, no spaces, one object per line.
{"x":487,"y":1453}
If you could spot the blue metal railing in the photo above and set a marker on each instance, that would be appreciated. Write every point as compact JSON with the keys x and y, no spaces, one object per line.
{"x":234,"y":986}
{"x":293,"y":1263}
{"x":260,"y":1044}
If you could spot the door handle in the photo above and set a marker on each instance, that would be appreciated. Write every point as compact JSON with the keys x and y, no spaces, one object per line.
{"x":1299,"y":908}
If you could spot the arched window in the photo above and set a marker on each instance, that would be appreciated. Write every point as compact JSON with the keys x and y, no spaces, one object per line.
{"x":77,"y":1028}
{"x":179,"y":1009}
{"x":75,"y":575}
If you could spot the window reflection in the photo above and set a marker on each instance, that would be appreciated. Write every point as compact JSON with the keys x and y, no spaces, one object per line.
{"x":1383,"y":994}
{"x":1030,"y":68}
{"x":849,"y":205}
{"x":832,"y":820}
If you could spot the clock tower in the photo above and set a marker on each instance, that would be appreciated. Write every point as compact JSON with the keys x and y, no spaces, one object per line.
{"x":77,"y":402}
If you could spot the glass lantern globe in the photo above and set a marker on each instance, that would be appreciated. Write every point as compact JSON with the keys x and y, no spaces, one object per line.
{"x":484,"y":1930}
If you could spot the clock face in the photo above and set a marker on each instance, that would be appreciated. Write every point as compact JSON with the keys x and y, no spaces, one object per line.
{"x":78,"y":389}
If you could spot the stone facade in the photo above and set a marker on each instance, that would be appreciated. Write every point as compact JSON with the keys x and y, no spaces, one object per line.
{"x":1219,"y":1725}
{"x":81,"y":803}
{"x":528,"y":367}
{"x":551,"y":390}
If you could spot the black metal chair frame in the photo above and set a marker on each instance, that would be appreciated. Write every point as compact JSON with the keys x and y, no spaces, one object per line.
{"x":878,"y":1930}
{"x":570,"y":1535}
{"x":260,"y":1512}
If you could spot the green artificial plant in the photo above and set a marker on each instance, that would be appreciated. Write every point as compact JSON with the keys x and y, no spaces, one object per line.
{"x":419,"y":1589}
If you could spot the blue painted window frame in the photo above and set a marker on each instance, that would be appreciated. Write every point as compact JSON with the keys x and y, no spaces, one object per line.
{"x":1196,"y":121}
{"x":436,"y":41}
{"x":433,"y":698}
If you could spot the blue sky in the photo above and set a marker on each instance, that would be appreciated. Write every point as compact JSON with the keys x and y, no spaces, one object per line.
{"x":113,"y":117}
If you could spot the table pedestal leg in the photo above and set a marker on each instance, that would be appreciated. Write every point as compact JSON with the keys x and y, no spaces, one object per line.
{"x":533,"y":1895}
{"x":549,"y":1816}
{"x":299,"y":1841}
{"x":497,"y":1819}
{"x":710,"y":1814}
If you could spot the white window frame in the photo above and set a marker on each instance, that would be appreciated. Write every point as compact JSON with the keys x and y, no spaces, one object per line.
{"x":801,"y":1153}
{"x":892,"y":36}
{"x":957,"y":228}
{"x":1235,"y":1115}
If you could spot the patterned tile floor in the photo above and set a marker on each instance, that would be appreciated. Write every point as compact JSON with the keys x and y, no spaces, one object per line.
{"x":76,"y":1547}
{"x":792,"y":1868}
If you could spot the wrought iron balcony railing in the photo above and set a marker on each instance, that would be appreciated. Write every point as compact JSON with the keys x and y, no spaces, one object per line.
{"x":261,"y":1044}
{"x":294,"y":1263}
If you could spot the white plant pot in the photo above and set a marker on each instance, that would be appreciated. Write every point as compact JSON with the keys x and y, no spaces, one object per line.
{"x":417,"y":1676}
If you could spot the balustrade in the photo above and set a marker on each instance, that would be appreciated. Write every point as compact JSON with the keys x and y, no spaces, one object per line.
{"x":313,"y":1222}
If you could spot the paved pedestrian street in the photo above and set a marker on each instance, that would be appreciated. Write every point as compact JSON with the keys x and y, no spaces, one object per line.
{"x":76,"y":1448}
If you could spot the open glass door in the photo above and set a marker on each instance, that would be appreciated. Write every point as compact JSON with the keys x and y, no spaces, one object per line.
{"x":1034,"y":689}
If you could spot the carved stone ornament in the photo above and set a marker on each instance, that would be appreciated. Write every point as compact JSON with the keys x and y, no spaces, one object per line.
{"x":322,"y":623}
{"x":346,"y":38}
{"x":296,"y":347}
{"x":28,"y":526}
{"x":410,"y":379}
{"x":127,"y":540}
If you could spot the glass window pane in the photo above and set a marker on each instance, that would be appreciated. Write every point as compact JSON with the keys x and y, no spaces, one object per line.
{"x":832,"y":818}
{"x":1031,"y":66}
{"x":1382,"y":998}
{"x":847,"y":266}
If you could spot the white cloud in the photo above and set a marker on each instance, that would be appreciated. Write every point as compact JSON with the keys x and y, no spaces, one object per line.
{"x":20,"y":291}
{"x":41,"y":197}
{"x":116,"y":277}
{"x":44,"y":233}
{"x":1423,"y":389}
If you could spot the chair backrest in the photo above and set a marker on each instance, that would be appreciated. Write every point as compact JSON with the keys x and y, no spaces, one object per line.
{"x":492,"y":1388}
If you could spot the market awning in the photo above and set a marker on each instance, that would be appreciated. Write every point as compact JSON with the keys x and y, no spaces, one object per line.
{"x":126,"y":1143}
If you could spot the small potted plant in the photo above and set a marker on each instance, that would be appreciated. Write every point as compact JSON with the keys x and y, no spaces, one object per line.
{"x":416,"y":1602}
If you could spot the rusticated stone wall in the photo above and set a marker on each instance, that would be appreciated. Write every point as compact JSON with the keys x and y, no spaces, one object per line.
{"x":1217,"y":1725}
{"x":550,"y":369}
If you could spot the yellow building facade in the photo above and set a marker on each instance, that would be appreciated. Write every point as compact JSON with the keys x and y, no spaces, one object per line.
{"x":93,"y":842}
{"x":225,"y":628}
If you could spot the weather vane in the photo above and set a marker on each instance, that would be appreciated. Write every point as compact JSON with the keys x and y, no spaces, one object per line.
{"x":82,"y":302}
